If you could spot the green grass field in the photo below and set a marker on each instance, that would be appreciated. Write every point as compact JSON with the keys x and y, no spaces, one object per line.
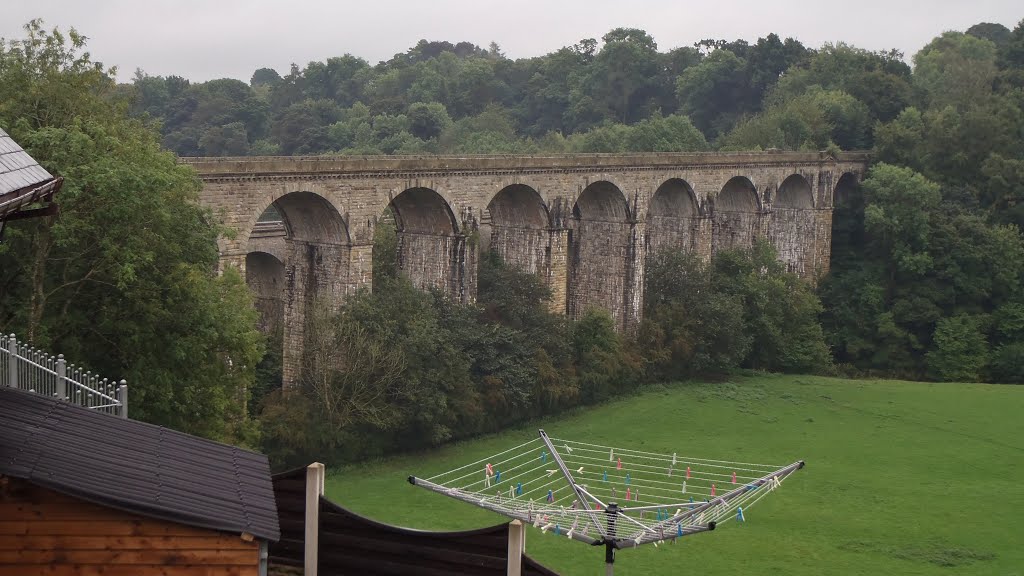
{"x":901,"y":477}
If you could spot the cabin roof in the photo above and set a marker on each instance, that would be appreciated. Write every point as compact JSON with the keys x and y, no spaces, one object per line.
{"x":22,"y":180}
{"x":134,"y":466}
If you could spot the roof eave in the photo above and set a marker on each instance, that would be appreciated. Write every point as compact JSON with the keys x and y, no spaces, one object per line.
{"x":13,"y":202}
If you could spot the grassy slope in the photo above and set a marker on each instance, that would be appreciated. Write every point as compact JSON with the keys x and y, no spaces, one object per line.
{"x":901,"y":478}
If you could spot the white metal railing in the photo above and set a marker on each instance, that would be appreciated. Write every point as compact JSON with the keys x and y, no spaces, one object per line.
{"x":28,"y":368}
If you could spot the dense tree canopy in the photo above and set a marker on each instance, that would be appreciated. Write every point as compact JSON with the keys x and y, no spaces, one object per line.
{"x":122,"y":280}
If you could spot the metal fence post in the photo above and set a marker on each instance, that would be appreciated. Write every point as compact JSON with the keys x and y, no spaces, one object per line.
{"x":122,"y":397}
{"x":12,"y":347}
{"x":62,"y":378}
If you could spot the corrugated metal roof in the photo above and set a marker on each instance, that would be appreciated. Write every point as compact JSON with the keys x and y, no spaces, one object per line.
{"x":17,"y":169}
{"x":134,"y":466}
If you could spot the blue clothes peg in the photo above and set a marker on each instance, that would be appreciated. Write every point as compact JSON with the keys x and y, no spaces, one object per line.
{"x":679,"y":530}
{"x":519,"y":488}
{"x":605,"y":475}
{"x":558,"y":530}
{"x":543,"y":456}
{"x":739,"y":514}
{"x":551,"y":496}
{"x":627,"y":478}
{"x":691,"y":499}
{"x":497,"y":476}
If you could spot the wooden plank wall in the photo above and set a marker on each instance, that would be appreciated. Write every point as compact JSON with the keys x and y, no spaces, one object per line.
{"x":45,"y":532}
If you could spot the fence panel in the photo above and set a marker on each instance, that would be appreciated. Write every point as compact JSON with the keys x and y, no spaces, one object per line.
{"x":353,"y":544}
{"x":28,"y":368}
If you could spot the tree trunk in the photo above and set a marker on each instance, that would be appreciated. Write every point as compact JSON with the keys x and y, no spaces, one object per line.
{"x":37,"y":299}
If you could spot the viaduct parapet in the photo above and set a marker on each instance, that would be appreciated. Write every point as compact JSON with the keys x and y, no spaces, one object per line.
{"x":583,"y":223}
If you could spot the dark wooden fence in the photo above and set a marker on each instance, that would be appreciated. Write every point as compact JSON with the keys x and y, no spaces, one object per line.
{"x":290,"y":493}
{"x":352,"y":544}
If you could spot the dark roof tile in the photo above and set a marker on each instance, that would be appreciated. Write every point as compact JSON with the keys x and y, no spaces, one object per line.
{"x":17,"y":169}
{"x":134,"y":466}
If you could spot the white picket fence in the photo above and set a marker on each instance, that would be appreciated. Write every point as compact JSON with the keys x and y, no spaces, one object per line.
{"x":28,"y":368}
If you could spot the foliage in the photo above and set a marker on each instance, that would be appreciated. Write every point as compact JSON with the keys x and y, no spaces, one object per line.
{"x":812,"y":121}
{"x":712,"y":93}
{"x":961,"y":349}
{"x":604,"y":366}
{"x":881,"y":80}
{"x":689,"y":328}
{"x":122,"y":280}
{"x":956,"y":70}
{"x":401,"y":369}
{"x":741,"y":309}
{"x":460,"y":98}
{"x":655,"y":134}
{"x":921,"y":264}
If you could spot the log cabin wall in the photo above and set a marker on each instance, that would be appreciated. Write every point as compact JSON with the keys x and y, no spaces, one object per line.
{"x":46,"y":532}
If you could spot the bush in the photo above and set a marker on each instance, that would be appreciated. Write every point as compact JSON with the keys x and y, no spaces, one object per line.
{"x":742,"y":309}
{"x":960,"y":352}
{"x":689,"y":329}
{"x":1007,"y":364}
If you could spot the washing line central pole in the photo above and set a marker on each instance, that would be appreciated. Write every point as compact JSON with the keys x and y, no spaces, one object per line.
{"x":609,"y":547}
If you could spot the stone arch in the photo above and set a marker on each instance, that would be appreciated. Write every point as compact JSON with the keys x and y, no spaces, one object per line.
{"x":308,"y":211}
{"x":673,"y":217}
{"x":518,"y":228}
{"x":432,"y":251}
{"x":846,"y":229}
{"x":736,"y":215}
{"x":518,"y":206}
{"x":847,"y":189}
{"x":423,"y":211}
{"x":793,"y":226}
{"x":738,"y":195}
{"x":265,"y":275}
{"x":311,"y":241}
{"x":794,"y":192}
{"x":601,"y":201}
{"x":269,"y":234}
{"x":600,"y":252}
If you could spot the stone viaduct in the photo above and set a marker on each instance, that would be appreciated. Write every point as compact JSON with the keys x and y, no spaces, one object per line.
{"x":584,"y":223}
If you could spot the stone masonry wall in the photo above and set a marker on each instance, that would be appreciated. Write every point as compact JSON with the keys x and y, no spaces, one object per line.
{"x":671,"y":233}
{"x":266,"y":278}
{"x":598,"y":266}
{"x":537,"y":251}
{"x":734,"y":230}
{"x":822,"y":243}
{"x":603,"y":265}
{"x":315,"y":275}
{"x":789,"y":230}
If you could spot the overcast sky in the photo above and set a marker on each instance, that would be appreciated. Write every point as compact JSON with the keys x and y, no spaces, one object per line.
{"x":201,"y":40}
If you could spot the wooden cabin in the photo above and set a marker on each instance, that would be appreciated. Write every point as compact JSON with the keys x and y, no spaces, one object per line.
{"x":86,"y":493}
